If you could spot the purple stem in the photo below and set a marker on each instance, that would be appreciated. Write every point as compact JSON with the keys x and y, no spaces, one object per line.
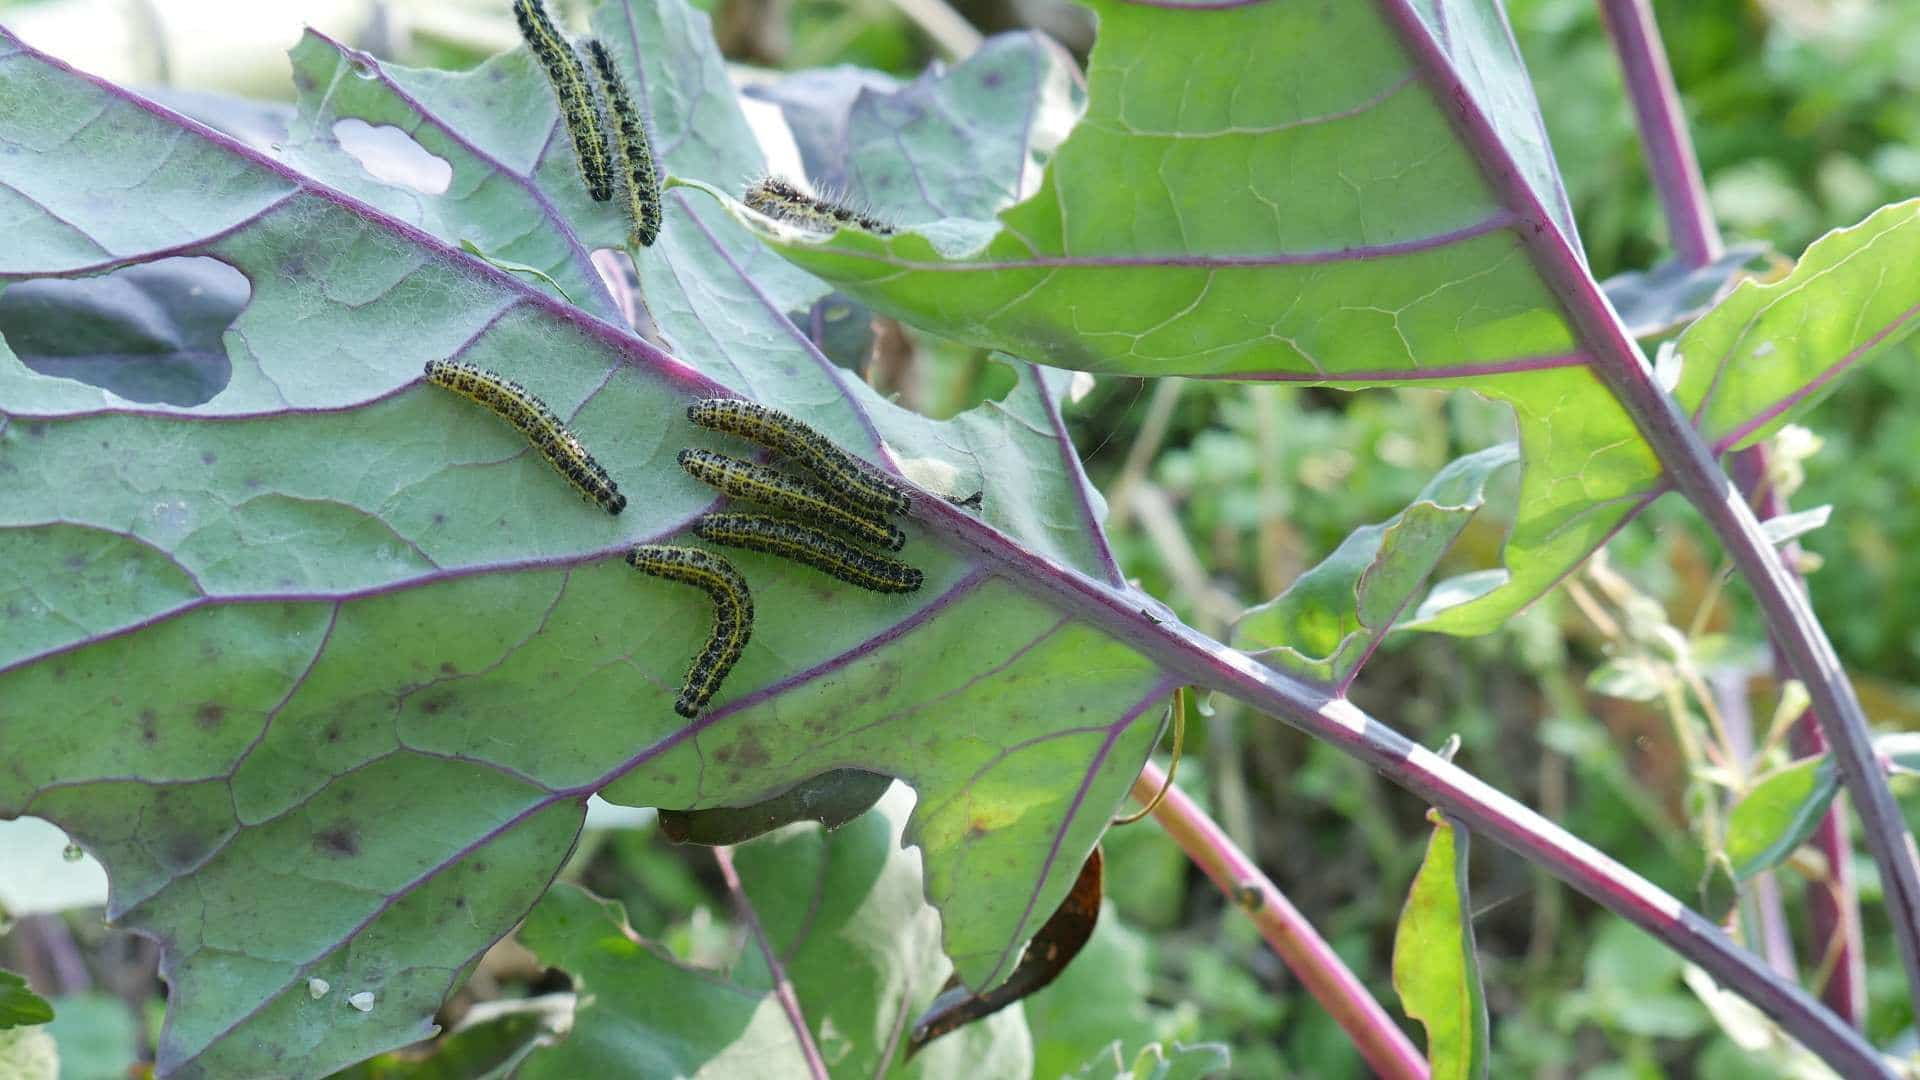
{"x":1385,"y":1047}
{"x":1192,"y":657}
{"x":1834,"y":908}
{"x":1833,"y":905}
{"x":777,"y":971}
{"x":1690,"y":465}
{"x":1663,"y":130}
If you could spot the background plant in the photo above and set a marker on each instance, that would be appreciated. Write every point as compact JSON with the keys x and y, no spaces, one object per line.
{"x":1293,"y":486}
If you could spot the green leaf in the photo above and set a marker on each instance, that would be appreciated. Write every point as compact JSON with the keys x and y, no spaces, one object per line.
{"x":641,"y":1012}
{"x":1269,"y":213}
{"x":324,"y":667}
{"x":1778,"y":814}
{"x":1159,"y":1061}
{"x":1333,"y":616}
{"x":19,"y":1006}
{"x":1436,"y":968}
{"x":95,"y":1035}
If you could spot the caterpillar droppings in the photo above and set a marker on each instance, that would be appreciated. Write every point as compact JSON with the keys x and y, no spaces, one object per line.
{"x":636,"y":152}
{"x":511,"y":401}
{"x":804,"y":544}
{"x":577,"y":104}
{"x":732,"y":614}
{"x":770,"y":487}
{"x":782,"y":200}
{"x":847,"y":478}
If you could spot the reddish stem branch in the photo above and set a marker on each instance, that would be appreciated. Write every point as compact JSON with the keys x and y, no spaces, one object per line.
{"x":1833,"y":906}
{"x":1385,"y":1047}
{"x":777,"y":971}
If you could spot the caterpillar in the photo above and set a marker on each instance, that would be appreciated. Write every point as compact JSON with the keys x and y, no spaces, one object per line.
{"x":803,"y":544}
{"x":577,"y":104}
{"x":538,"y":423}
{"x":770,"y":487}
{"x":782,"y":200}
{"x":636,"y":153}
{"x":732,"y":614}
{"x":848,"y":479}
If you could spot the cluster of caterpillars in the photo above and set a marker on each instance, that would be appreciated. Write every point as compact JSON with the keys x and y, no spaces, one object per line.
{"x":581,"y":105}
{"x":845,"y":497}
{"x":585,"y":104}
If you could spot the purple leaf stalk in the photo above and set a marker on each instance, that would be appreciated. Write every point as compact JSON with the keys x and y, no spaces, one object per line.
{"x":1833,"y":906}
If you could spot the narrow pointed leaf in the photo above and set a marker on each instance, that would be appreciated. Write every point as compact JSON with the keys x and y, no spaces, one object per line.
{"x":1436,"y":968}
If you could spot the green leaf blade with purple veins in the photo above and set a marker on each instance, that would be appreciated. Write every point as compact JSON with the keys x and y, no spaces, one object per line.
{"x":350,"y":658}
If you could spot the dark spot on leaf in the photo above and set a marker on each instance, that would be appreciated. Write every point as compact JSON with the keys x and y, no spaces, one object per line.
{"x":447,"y":668}
{"x":432,"y":706}
{"x":332,"y":734}
{"x":149,"y":726}
{"x":439,"y":518}
{"x":76,"y":562}
{"x":992,"y":80}
{"x":340,"y":841}
{"x":208,"y":457}
{"x":459,"y":901}
{"x":37,"y":431}
{"x":480,"y":867}
{"x":210,"y":715}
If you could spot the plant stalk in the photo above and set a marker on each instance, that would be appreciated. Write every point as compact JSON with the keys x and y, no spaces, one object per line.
{"x":1193,"y":658}
{"x":777,"y":971}
{"x":1690,"y":464}
{"x":1833,"y":907}
{"x":1386,"y":1048}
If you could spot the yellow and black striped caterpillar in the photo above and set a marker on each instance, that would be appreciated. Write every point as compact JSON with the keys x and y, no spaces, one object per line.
{"x":636,"y":152}
{"x":804,"y":544}
{"x":577,"y":104}
{"x":782,"y":200}
{"x":770,"y":487}
{"x":846,"y":478}
{"x":538,"y":423}
{"x":732,"y":614}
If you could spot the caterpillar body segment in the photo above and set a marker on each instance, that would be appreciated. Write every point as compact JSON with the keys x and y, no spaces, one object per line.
{"x":848,"y":479}
{"x":805,"y":544}
{"x":541,"y":426}
{"x":642,"y":183}
{"x":770,"y":487}
{"x":578,"y":107}
{"x":732,"y":614}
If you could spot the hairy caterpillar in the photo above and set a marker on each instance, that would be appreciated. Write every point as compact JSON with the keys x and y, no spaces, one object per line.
{"x":782,"y":200}
{"x":636,"y":153}
{"x":770,"y":487}
{"x":538,"y":423}
{"x":782,"y":434}
{"x":801,"y":543}
{"x":577,"y":104}
{"x":732,"y":614}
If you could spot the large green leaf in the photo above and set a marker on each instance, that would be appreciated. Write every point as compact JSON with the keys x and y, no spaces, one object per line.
{"x":1348,"y":195}
{"x":1436,"y":968}
{"x":324,"y":667}
{"x":860,"y":947}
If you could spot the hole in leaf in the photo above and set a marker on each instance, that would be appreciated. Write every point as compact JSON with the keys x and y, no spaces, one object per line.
{"x":391,"y":156}
{"x":149,"y":332}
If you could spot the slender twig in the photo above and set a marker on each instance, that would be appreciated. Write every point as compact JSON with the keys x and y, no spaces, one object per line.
{"x":777,"y":971}
{"x":949,"y":30}
{"x":1380,"y":1041}
{"x":1833,"y":904}
{"x":1615,"y":359}
{"x":1833,"y":910}
{"x":1663,"y":130}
